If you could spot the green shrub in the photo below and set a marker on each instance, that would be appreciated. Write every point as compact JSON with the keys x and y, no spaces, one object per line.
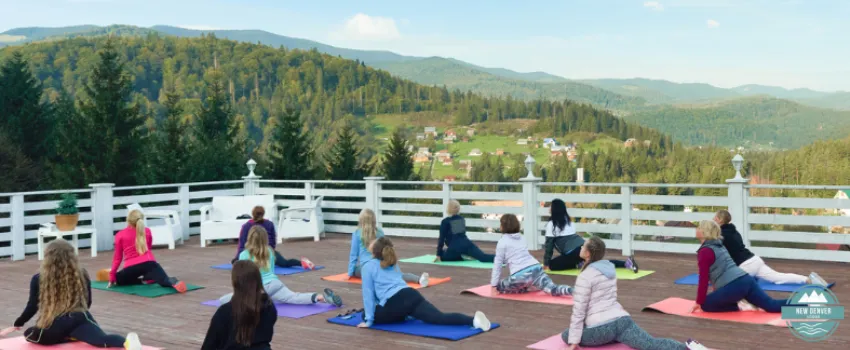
{"x":68,"y":205}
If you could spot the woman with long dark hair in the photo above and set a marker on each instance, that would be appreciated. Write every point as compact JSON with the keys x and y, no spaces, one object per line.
{"x":258,"y":219}
{"x":247,"y":321}
{"x":561,"y":236}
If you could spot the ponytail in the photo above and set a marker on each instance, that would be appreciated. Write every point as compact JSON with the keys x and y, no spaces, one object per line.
{"x":383,"y":250}
{"x":136,"y":219}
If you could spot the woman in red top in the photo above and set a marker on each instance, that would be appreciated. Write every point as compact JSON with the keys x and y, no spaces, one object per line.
{"x":133,"y":246}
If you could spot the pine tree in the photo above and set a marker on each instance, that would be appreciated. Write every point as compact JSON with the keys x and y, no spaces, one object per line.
{"x":397,"y":163}
{"x":343,"y":160}
{"x":68,"y":141}
{"x":289,"y":154}
{"x":24,"y":119}
{"x":170,"y":145}
{"x":19,"y":172}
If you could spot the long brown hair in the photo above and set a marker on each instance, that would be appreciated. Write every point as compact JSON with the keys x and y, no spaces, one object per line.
{"x":383,"y":250}
{"x":257,"y":214}
{"x":509,"y":224}
{"x":136,"y":219}
{"x":61,"y":285}
{"x":367,"y":226}
{"x":596,"y":248}
{"x":258,"y":246}
{"x":248,"y":300}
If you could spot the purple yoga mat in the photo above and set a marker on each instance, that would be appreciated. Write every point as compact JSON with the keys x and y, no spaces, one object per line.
{"x":291,"y":310}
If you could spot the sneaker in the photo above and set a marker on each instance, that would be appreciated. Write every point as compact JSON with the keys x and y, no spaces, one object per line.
{"x":307,"y":264}
{"x":744,"y":305}
{"x":173,"y":280}
{"x":424,"y":279}
{"x":332,"y":298}
{"x":480,"y":321}
{"x":816,"y":279}
{"x":631,"y":264}
{"x":132,"y":342}
{"x":180,"y":287}
{"x":694,"y":345}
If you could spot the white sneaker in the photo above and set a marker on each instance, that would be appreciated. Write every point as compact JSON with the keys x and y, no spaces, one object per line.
{"x":694,"y":345}
{"x":132,"y":342}
{"x":480,"y":321}
{"x":816,"y":279}
{"x":424,"y":279}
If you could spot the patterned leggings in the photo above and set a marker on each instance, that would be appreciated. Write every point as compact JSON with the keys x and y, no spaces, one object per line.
{"x":623,"y":330}
{"x":531,"y":279}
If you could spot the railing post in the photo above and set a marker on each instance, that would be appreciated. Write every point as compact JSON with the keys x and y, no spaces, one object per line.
{"x":626,"y":220}
{"x":185,"y":210}
{"x":373,"y":198}
{"x":101,"y":209}
{"x":737,"y":200}
{"x":308,"y":192}
{"x":18,"y":230}
{"x":531,"y":220}
{"x":252,"y":181}
{"x":447,"y":196}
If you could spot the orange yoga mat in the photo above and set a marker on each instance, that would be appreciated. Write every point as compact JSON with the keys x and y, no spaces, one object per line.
{"x":19,"y":343}
{"x":682,"y":307}
{"x":343,"y":277}
{"x":534,"y":297}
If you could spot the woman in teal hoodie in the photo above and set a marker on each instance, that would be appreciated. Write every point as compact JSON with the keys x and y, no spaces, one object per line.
{"x":367,"y":231}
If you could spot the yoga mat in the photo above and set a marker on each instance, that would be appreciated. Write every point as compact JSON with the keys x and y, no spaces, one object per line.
{"x":429,"y":259}
{"x":281,"y":271}
{"x":142,"y":290}
{"x":535,"y":297}
{"x":692,"y":280}
{"x":291,"y":310}
{"x":622,"y":273}
{"x":19,"y":343}
{"x":417,"y":327}
{"x":343,"y":277}
{"x":682,"y":307}
{"x":555,"y":342}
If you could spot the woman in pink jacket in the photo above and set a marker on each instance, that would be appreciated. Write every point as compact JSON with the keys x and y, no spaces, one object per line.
{"x":133,"y":246}
{"x":598,"y":318}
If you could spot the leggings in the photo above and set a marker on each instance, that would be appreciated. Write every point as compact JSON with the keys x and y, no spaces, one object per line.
{"x":408,"y":302}
{"x":278,"y":293}
{"x":726,"y":298}
{"x":74,"y":326}
{"x":572,"y":259}
{"x":623,"y":330}
{"x":280,"y":261}
{"x":456,"y":252}
{"x":407,"y":277}
{"x":146,"y":271}
{"x":531,"y":279}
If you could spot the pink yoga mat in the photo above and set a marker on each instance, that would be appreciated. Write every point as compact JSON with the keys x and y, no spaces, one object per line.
{"x":290,"y":310}
{"x":682,"y":307}
{"x":19,"y":343}
{"x":556,"y":343}
{"x":535,"y":297}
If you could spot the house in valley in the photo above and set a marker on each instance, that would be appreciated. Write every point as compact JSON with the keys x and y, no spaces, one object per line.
{"x":475,"y":153}
{"x":431,"y":131}
{"x":522,"y":142}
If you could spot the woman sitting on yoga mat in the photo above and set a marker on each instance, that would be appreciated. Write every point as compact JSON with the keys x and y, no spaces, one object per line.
{"x":526,"y":272}
{"x":453,"y":235}
{"x":367,"y":231}
{"x":598,"y":318}
{"x":247,"y":321}
{"x":752,"y":264}
{"x":61,"y":294}
{"x":561,"y":236}
{"x":732,"y":286}
{"x":257,"y":250}
{"x":133,"y":246}
{"x":387,"y":299}
{"x":257,"y":218}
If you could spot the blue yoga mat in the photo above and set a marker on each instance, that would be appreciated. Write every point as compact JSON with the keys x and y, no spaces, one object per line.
{"x":283,"y":271}
{"x":416,"y":327}
{"x":693,"y":280}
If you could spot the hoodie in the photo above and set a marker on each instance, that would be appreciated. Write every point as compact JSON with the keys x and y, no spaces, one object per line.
{"x":512,"y":251}
{"x":379,"y":285}
{"x":734,"y":243}
{"x":595,"y":297}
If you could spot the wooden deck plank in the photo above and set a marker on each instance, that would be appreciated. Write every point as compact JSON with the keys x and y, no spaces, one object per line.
{"x":180,"y":322}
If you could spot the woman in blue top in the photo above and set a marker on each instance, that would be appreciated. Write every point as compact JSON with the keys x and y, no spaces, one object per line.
{"x":367,"y":231}
{"x":387,"y":299}
{"x":453,"y":235}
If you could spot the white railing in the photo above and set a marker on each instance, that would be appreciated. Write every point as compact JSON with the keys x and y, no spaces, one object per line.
{"x":622,"y":213}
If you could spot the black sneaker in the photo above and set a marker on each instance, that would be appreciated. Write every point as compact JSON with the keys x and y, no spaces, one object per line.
{"x":632,"y":264}
{"x":332,"y":298}
{"x":173,"y":280}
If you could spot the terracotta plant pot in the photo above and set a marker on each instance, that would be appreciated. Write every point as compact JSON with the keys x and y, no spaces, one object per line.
{"x":67,"y":222}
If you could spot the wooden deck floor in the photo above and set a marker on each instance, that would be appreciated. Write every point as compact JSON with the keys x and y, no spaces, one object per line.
{"x":180,"y":322}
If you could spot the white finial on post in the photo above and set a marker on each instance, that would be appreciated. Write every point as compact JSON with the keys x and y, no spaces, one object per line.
{"x":738,"y":163}
{"x":529,"y":164}
{"x":251,"y":166}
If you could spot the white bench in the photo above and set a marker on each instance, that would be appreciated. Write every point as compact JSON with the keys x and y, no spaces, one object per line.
{"x":220,"y":219}
{"x":167,"y":234}
{"x":300,"y":221}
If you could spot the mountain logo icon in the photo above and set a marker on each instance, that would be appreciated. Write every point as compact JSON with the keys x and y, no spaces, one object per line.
{"x":813,"y":298}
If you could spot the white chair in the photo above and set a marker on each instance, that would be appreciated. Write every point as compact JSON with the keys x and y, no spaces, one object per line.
{"x":301,"y":221}
{"x":166,"y":234}
{"x":219,"y":220}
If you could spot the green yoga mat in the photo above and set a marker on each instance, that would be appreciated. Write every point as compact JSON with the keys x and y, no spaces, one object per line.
{"x":142,"y":290}
{"x":429,"y":259}
{"x":622,"y":273}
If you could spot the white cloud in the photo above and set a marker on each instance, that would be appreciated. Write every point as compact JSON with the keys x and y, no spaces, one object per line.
{"x":655,"y":5}
{"x":199,"y":27}
{"x":712,"y":23}
{"x":365,"y":27}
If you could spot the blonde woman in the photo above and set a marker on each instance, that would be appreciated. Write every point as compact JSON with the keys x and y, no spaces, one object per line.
{"x":133,"y":246}
{"x":61,"y":294}
{"x":368,"y":231}
{"x":257,"y":249}
{"x":453,"y":235}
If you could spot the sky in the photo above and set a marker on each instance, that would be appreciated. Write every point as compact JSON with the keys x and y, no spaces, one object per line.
{"x":727,"y":43}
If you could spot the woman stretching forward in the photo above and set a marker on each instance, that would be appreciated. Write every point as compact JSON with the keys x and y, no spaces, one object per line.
{"x":246,"y":322}
{"x":367,"y":231}
{"x":527,"y":274}
{"x":453,"y":235}
{"x":257,"y":218}
{"x":387,"y":299}
{"x":257,"y":250}
{"x":61,"y":293}
{"x":133,"y":246}
{"x":598,"y":318}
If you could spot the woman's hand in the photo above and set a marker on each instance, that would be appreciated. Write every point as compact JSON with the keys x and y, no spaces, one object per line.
{"x":696,"y":308}
{"x":437,"y":259}
{"x":110,"y":285}
{"x":10,"y":330}
{"x":362,"y":325}
{"x":494,"y":291}
{"x":572,"y":346}
{"x":545,"y":268}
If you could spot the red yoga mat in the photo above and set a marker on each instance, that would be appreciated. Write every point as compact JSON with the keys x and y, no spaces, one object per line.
{"x":19,"y":343}
{"x":535,"y":297}
{"x":682,"y":307}
{"x":343,"y":277}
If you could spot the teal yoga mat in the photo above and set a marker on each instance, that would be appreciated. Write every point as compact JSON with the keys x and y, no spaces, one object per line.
{"x":429,"y":259}
{"x":142,"y":290}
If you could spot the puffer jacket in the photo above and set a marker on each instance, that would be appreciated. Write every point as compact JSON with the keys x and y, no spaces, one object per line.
{"x":595,"y":298}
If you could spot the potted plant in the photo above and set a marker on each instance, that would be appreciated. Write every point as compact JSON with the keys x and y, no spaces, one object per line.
{"x":67,"y":214}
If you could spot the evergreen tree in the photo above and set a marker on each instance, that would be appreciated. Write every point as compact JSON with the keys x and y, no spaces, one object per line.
{"x":170,"y":145}
{"x":343,"y":161}
{"x":69,"y":138}
{"x":289,"y":154}
{"x":19,"y":172}
{"x":397,"y":163}
{"x":24,"y":119}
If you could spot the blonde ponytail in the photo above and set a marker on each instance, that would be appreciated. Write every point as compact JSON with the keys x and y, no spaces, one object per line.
{"x":368,"y":227}
{"x":136,"y":219}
